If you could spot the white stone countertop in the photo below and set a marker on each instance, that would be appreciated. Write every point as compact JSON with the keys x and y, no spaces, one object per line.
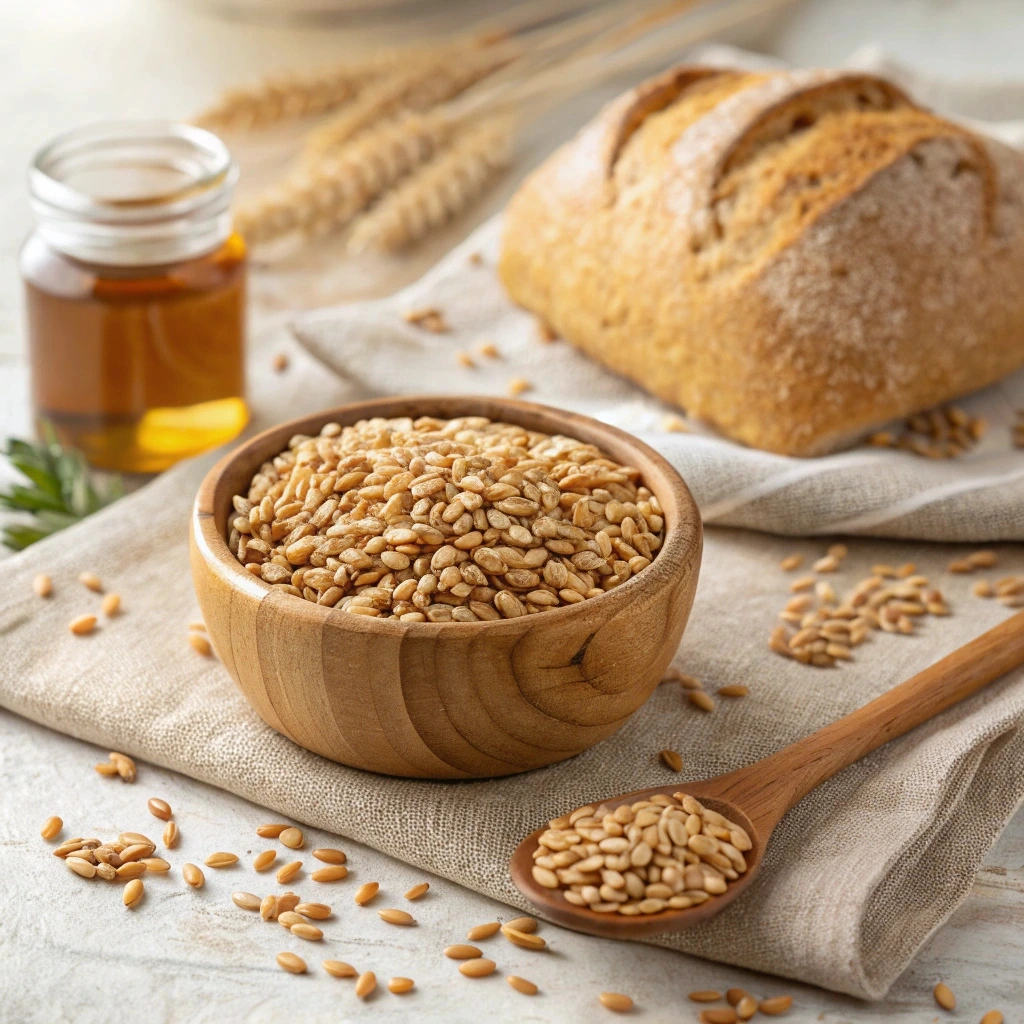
{"x":69,"y":951}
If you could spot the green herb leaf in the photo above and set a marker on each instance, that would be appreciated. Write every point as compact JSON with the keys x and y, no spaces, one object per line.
{"x":60,"y":490}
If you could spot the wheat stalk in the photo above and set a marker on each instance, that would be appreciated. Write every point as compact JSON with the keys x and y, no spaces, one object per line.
{"x":328,"y":196}
{"x":440,"y":190}
{"x":416,"y":87}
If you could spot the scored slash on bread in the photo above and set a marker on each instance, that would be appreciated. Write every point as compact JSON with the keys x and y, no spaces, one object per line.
{"x":795,"y":257}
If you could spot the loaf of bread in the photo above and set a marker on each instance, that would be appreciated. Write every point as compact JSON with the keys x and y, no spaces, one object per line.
{"x":795,"y":258}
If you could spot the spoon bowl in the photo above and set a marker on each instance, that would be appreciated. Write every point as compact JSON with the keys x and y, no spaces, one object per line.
{"x":758,"y":796}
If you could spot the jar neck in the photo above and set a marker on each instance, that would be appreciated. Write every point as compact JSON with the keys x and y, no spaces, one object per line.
{"x":133,"y":194}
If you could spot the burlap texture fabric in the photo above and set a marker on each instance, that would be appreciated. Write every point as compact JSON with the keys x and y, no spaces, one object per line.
{"x":857,"y":876}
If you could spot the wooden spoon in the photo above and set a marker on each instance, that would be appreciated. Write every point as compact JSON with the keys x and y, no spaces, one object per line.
{"x":757,"y":796}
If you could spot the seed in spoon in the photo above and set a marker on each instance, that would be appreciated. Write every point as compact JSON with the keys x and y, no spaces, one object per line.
{"x":616,"y":1001}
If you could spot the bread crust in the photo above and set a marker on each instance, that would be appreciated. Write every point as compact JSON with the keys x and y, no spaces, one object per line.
{"x":795,"y":258}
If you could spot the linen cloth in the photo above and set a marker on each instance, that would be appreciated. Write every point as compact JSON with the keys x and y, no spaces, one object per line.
{"x":857,"y":876}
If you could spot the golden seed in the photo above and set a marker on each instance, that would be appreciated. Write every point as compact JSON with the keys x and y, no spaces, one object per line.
{"x":366,"y":892}
{"x":699,"y":699}
{"x":309,"y":932}
{"x":339,"y":969}
{"x":83,"y":625}
{"x":42,"y":585}
{"x":200,"y":644}
{"x":518,"y":386}
{"x":671,"y":760}
{"x":522,"y":985}
{"x":400,"y":985}
{"x":944,"y":996}
{"x":334,"y":873}
{"x":465,"y":360}
{"x":746,"y":1007}
{"x":992,"y":1017}
{"x":155,"y":864}
{"x":246,"y":900}
{"x":90,"y":581}
{"x":220,"y":860}
{"x":106,"y":871}
{"x":777,"y":1004}
{"x":171,"y":835}
{"x":271,"y":831}
{"x":106,"y":769}
{"x":396,"y":917}
{"x":462,"y":951}
{"x":718,"y":1015}
{"x":366,"y":984}
{"x":330,"y":856}
{"x":136,"y":852}
{"x":616,"y":1001}
{"x":791,"y":562}
{"x":483,"y":931}
{"x":705,"y":996}
{"x":523,"y":924}
{"x":291,"y":963}
{"x":733,"y":690}
{"x":133,"y":869}
{"x":982,"y":559}
{"x":488,"y":349}
{"x":193,"y":876}
{"x":81,"y":867}
{"x":263,"y":860}
{"x":135,"y":839}
{"x":287,"y":918}
{"x":269,"y":908}
{"x":111,"y":605}
{"x":159,"y":808}
{"x":479,"y":967}
{"x":124,"y":765}
{"x":292,"y":838}
{"x":316,"y":911}
{"x":417,"y":891}
{"x":280,"y":362}
{"x":133,"y":892}
{"x":960,"y":566}
{"x":905,"y":570}
{"x":523,"y":939}
{"x":288,"y":872}
{"x":734,"y":995}
{"x":801,"y":584}
{"x":51,"y":827}
{"x":287,"y":901}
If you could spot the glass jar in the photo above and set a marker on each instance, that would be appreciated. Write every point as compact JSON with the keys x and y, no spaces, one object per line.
{"x":135,"y":294}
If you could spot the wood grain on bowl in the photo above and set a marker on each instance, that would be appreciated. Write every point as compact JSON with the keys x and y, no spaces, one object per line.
{"x":446,"y":699}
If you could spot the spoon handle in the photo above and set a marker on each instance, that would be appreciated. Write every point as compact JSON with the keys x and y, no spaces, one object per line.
{"x":769,"y":788}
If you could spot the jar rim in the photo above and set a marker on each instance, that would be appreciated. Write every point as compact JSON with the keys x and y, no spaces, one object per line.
{"x":166,"y":195}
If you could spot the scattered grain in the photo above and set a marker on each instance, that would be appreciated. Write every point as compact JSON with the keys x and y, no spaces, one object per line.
{"x":133,"y":892}
{"x":171,"y":835}
{"x":131,"y":869}
{"x":124,"y":766}
{"x":106,"y":769}
{"x":417,"y":891}
{"x":366,"y":892}
{"x":699,"y":699}
{"x":280,"y":362}
{"x":523,"y":924}
{"x":340,"y":969}
{"x":718,"y":1015}
{"x":399,"y":917}
{"x":522,"y":985}
{"x":334,"y":873}
{"x":488,"y":350}
{"x":545,"y":332}
{"x":83,"y":625}
{"x":399,"y":986}
{"x":329,"y":856}
{"x":42,"y":585}
{"x":309,"y":932}
{"x":462,"y":951}
{"x":705,"y":996}
{"x":292,"y":838}
{"x":776,"y":1005}
{"x":518,"y":386}
{"x":90,"y":581}
{"x":288,"y":872}
{"x":200,"y":644}
{"x":479,"y":967}
{"x":733,"y":690}
{"x":427,"y":317}
{"x":269,"y":908}
{"x":159,"y":808}
{"x":221,"y":860}
{"x":366,"y":984}
{"x":291,"y":963}
{"x":992,"y":1017}
{"x":51,"y":827}
{"x":675,"y":425}
{"x":314,"y":911}
{"x":81,"y":867}
{"x":271,"y":831}
{"x":156,"y":865}
{"x":262,"y":861}
{"x":746,"y":1007}
{"x":791,"y":562}
{"x":111,"y":605}
{"x":616,"y":1001}
{"x":483,"y":931}
{"x":287,"y":902}
{"x":944,"y":996}
{"x":671,"y":760}
{"x":525,"y":940}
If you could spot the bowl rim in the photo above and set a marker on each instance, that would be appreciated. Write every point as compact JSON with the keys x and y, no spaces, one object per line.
{"x":678,"y":547}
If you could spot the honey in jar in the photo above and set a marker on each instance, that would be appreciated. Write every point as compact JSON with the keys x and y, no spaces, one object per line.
{"x":135,"y":294}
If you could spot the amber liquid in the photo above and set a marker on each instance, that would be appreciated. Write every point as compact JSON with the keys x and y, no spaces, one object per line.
{"x":138,"y":367}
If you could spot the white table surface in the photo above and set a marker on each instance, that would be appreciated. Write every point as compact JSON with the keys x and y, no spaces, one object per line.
{"x":69,"y":951}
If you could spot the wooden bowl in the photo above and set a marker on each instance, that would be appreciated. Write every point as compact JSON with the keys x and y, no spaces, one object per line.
{"x":446,"y":700}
